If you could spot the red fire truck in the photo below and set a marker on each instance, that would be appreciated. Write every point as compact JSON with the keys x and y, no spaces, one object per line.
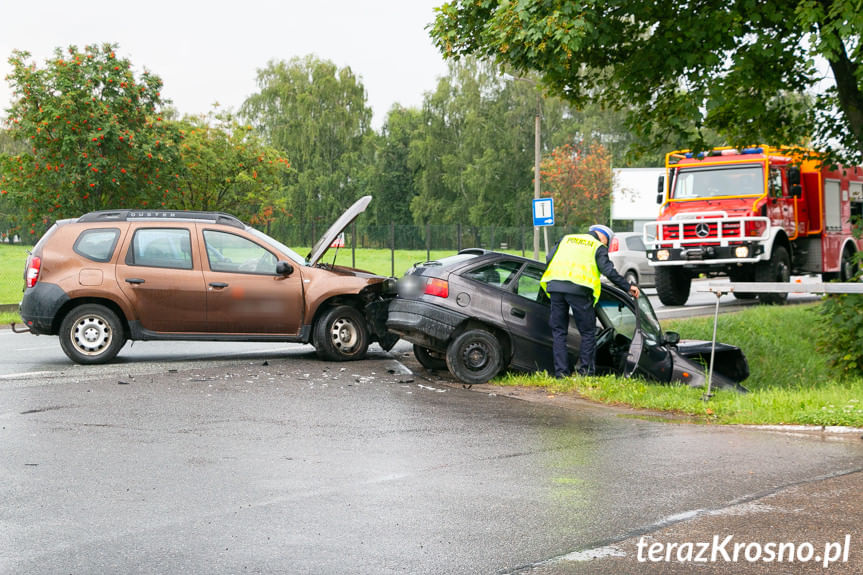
{"x":755,"y":215}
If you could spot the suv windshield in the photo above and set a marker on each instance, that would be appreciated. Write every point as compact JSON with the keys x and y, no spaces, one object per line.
{"x":297,"y":258}
{"x":698,"y":183}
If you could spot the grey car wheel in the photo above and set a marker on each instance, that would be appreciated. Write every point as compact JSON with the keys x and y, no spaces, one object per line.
{"x":430,"y":359}
{"x":475,"y":356}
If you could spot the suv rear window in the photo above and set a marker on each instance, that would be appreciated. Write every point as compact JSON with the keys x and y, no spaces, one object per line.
{"x":161,"y":248}
{"x":97,"y":244}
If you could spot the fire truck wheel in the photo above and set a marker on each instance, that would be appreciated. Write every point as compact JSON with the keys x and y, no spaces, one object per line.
{"x":848,"y":267}
{"x":777,"y":270}
{"x":672,"y":285}
{"x":744,"y":274}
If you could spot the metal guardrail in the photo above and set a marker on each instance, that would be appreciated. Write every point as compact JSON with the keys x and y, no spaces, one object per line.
{"x":721,"y":289}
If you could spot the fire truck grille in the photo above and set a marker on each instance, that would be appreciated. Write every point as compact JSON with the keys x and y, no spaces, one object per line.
{"x":701,"y":230}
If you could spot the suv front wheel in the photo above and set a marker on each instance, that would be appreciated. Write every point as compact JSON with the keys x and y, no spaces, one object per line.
{"x":91,"y":334}
{"x":341,"y":334}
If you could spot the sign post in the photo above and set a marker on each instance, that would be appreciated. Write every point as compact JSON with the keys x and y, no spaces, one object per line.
{"x":543,"y":216}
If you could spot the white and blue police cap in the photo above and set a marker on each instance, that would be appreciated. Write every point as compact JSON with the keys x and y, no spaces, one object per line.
{"x":601,"y":229}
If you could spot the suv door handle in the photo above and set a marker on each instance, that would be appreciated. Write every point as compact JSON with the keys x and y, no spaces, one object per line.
{"x":134,"y":281}
{"x":218,"y":285}
{"x":517,"y":312}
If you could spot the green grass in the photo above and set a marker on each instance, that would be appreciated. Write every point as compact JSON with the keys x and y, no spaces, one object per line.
{"x":12,"y":260}
{"x":790,"y":381}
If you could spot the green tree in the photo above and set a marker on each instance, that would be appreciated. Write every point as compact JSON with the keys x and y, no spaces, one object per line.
{"x":95,"y":137}
{"x":681,"y":70}
{"x":226,"y":167}
{"x":391,"y":179}
{"x":316,"y":114}
{"x":475,"y":153}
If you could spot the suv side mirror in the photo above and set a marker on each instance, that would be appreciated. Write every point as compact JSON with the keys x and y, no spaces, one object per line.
{"x":284,"y":268}
{"x":672,"y":338}
{"x":660,"y":189}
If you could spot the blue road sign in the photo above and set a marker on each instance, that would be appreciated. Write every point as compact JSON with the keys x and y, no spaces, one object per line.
{"x":543,"y":212}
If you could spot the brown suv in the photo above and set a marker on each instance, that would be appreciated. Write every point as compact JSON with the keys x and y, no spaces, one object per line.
{"x":110,"y":276}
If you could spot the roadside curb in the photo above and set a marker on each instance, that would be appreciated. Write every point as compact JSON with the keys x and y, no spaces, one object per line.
{"x":838,"y":429}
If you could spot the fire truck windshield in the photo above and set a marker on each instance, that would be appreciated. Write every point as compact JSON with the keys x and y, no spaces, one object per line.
{"x":720,"y":181}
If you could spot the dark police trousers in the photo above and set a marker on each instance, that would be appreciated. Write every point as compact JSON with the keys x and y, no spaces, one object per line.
{"x":585,"y":320}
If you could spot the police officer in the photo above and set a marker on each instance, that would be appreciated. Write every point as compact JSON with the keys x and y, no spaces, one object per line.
{"x":572,"y":281}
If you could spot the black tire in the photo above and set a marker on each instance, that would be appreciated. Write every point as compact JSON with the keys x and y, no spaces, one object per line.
{"x":743,"y":274}
{"x":848,"y":267}
{"x":744,"y":295}
{"x":475,"y":356}
{"x":91,"y":334}
{"x":778,"y":269}
{"x":341,"y":334}
{"x":672,"y":285}
{"x":430,"y":359}
{"x":631,"y":277}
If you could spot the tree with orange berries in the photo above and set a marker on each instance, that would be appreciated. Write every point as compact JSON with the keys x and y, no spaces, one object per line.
{"x":579,"y":179}
{"x":94,"y":136}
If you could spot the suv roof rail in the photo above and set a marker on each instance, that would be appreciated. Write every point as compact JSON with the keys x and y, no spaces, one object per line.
{"x":186,"y":215}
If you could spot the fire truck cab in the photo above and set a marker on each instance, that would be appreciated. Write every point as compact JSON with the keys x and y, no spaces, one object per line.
{"x":759,"y":214}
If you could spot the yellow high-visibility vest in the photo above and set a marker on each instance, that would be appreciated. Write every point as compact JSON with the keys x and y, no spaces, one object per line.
{"x":575,"y":261}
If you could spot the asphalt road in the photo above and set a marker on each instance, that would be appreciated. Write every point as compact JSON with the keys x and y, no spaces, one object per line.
{"x":274,"y":462}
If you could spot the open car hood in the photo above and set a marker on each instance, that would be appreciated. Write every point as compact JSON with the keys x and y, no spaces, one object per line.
{"x":346,"y":219}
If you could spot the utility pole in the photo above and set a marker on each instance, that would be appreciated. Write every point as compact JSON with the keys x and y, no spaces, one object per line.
{"x":536,"y":176}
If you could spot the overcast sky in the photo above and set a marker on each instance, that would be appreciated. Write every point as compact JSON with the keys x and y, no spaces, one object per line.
{"x":209,"y":51}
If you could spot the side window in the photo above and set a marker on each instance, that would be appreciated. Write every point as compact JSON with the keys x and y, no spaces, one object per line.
{"x":230,"y":253}
{"x":528,"y":285}
{"x":97,"y":245}
{"x":611,"y":312}
{"x":775,"y":183}
{"x":498,"y":274}
{"x":161,"y":248}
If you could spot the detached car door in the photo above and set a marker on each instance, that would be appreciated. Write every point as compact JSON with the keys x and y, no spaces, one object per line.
{"x":244,"y":294}
{"x":162,"y":280}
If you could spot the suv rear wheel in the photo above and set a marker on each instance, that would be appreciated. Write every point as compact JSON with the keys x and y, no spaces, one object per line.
{"x":91,"y":334}
{"x":341,"y":334}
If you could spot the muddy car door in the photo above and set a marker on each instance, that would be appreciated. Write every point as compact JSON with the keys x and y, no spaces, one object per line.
{"x":246,"y":291}
{"x":162,"y":280}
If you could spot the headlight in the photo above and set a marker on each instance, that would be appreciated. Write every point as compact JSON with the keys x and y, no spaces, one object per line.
{"x":662,"y":255}
{"x":741,"y":251}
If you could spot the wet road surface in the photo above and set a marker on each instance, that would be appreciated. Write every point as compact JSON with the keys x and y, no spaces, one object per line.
{"x":278,"y":463}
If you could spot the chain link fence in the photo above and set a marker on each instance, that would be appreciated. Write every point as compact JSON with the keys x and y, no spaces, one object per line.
{"x":406,"y":244}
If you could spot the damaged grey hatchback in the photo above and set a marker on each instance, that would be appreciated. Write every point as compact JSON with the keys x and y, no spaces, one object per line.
{"x":480,"y":312}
